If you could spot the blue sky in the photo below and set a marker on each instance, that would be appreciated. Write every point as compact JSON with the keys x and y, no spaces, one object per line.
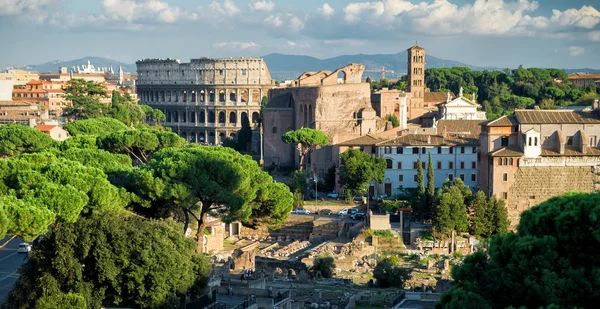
{"x":502,"y":33}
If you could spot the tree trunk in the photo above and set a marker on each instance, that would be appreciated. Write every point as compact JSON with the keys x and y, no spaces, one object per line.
{"x":186,"y":223}
{"x":200,"y":231}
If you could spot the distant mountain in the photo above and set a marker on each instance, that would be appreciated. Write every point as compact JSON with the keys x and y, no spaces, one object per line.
{"x":291,"y":66}
{"x":53,"y":66}
{"x":284,"y":67}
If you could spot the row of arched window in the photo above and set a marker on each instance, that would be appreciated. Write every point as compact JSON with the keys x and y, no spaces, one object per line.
{"x":201,"y":117}
{"x":193,"y":96}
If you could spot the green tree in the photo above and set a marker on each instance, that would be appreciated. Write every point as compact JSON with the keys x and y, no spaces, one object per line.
{"x":16,"y":139}
{"x":299,"y":181}
{"x":551,"y":262}
{"x":307,"y":140}
{"x":244,"y":137}
{"x":85,"y":98}
{"x":125,"y":109}
{"x":95,"y":126}
{"x":450,"y":211}
{"x":393,"y":119}
{"x":153,"y":114}
{"x":325,"y":264}
{"x":498,"y":216}
{"x":430,"y":188}
{"x":114,"y":259}
{"x":420,"y":198}
{"x":388,"y":274}
{"x":197,"y":180}
{"x":140,"y":144}
{"x":330,"y":178}
{"x":358,"y":169}
{"x":480,"y":217}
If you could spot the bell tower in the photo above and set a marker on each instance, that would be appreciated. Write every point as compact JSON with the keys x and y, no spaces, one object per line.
{"x":416,"y":80}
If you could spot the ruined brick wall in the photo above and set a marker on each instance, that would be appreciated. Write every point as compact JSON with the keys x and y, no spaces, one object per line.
{"x":214,"y":241}
{"x":534,"y":185}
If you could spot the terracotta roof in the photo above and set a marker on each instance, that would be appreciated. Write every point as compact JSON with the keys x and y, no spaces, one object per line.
{"x":45,"y":127}
{"x":34,"y":82}
{"x":17,"y":103}
{"x":504,"y":121}
{"x":282,"y":101}
{"x":437,"y":97}
{"x":429,"y":140}
{"x":555,"y":116}
{"x":55,"y":90}
{"x":28,"y":90}
{"x":365,"y":140}
{"x":466,"y":127}
{"x":507,"y":152}
{"x":584,"y":76}
{"x":571,"y":151}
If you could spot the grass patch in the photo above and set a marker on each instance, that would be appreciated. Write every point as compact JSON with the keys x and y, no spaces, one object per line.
{"x":380,"y":234}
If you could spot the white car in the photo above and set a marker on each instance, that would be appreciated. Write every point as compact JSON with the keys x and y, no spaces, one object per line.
{"x":24,"y":247}
{"x":343,"y":211}
{"x":302,"y":211}
{"x":333,"y":195}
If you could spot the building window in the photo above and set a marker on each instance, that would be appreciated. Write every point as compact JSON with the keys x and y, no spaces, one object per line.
{"x":505,"y":161}
{"x":512,"y":162}
{"x":244,"y":71}
{"x":274,"y":130}
{"x":399,"y":165}
{"x":415,"y":177}
{"x":373,"y":149}
{"x":473,"y":165}
{"x":499,"y":161}
{"x":450,"y":177}
{"x":451,"y":150}
{"x":388,"y":150}
{"x":473,"y":177}
{"x":504,"y":141}
{"x":504,"y":195}
{"x":474,"y":149}
{"x":462,"y":149}
{"x":450,"y":165}
{"x":570,"y":140}
{"x":439,"y":165}
{"x":416,"y":150}
{"x":221,"y":72}
{"x":462,"y":177}
{"x":399,"y":150}
{"x":529,"y":139}
{"x":415,"y":165}
{"x":535,"y":141}
{"x":462,"y":165}
{"x":423,"y":150}
{"x":389,"y":163}
{"x":532,"y":197}
{"x":439,"y":150}
{"x":593,"y":141}
{"x":505,"y":177}
{"x":401,"y":178}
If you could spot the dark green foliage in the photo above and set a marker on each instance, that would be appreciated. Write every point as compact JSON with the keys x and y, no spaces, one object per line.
{"x":500,"y":92}
{"x":551,"y":262}
{"x":388,"y":274}
{"x":155,"y":115}
{"x":125,"y":109}
{"x":420,"y":200}
{"x":307,"y":140}
{"x":78,"y":142}
{"x":244,"y":137}
{"x":141,"y":143}
{"x":299,"y":182}
{"x":358,"y":168}
{"x":85,"y":97}
{"x":16,"y":139}
{"x":114,"y":259}
{"x":393,"y":119}
{"x":324,"y":264}
{"x":95,"y":126}
{"x":330,"y":178}
{"x":430,"y":194}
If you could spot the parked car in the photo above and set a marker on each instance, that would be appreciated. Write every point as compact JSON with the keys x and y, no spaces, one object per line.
{"x":358,"y":198}
{"x":325,"y":212}
{"x":343,"y":211}
{"x":348,"y":211}
{"x":24,"y":247}
{"x":333,"y":195}
{"x":302,"y":211}
{"x":379,"y":197}
{"x":358,"y":216}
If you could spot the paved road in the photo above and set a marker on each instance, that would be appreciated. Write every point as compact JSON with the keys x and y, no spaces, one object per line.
{"x":10,"y":261}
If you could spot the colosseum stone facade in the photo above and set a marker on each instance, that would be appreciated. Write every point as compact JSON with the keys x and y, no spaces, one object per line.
{"x":206,"y":99}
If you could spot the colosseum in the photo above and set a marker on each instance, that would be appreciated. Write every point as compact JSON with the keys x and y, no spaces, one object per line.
{"x":206,"y":99}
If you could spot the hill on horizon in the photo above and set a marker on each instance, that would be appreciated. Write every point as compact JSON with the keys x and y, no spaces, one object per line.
{"x":283,"y":66}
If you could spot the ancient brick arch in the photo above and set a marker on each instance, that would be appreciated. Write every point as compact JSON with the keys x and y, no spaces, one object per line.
{"x":352,"y":74}
{"x":269,"y":266}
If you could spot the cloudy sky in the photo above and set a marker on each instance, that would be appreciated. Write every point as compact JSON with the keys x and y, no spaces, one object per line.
{"x":503,"y":33}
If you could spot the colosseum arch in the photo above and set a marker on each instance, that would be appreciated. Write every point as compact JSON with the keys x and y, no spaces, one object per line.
{"x":211,"y":117}
{"x":232,"y":118}
{"x":222,"y":117}
{"x":310,"y":116}
{"x":255,"y":117}
{"x":202,"y":117}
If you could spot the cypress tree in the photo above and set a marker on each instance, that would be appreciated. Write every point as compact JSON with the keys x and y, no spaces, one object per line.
{"x":420,"y":187}
{"x":430,"y":188}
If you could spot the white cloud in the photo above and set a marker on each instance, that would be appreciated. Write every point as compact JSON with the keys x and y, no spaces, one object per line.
{"x":353,"y":10}
{"x":295,"y":23}
{"x":262,"y":6}
{"x":236,"y":45}
{"x":594,"y":35}
{"x":575,"y":51}
{"x":132,"y":11}
{"x":273,"y":20}
{"x":326,"y":10}
{"x":586,"y":17}
{"x":297,"y":45}
{"x":227,"y":8}
{"x":18,"y":7}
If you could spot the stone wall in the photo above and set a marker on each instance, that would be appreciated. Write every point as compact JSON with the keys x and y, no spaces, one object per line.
{"x":534,"y":185}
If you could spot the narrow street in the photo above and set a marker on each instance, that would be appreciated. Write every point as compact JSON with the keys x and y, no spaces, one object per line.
{"x":10,"y":261}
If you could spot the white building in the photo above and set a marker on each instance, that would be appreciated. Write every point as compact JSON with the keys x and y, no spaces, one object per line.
{"x":460,"y":108}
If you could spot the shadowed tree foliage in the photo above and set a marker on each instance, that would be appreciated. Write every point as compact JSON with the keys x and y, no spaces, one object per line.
{"x":430,"y":194}
{"x":393,"y":119}
{"x":95,"y":126}
{"x":307,"y":140}
{"x":421,"y":199}
{"x":358,"y":169}
{"x":114,"y":259}
{"x":388,"y":274}
{"x":125,"y":109}
{"x":325,"y":264}
{"x":551,"y":262}
{"x":197,"y":180}
{"x":155,"y":115}
{"x":17,"y":139}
